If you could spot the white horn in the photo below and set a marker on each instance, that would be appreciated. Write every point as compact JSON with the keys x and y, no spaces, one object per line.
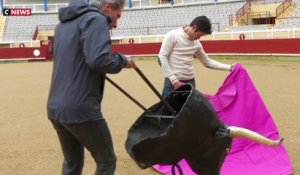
{"x":246,"y":133}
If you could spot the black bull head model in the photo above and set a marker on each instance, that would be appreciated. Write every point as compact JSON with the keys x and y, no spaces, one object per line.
{"x":193,"y":132}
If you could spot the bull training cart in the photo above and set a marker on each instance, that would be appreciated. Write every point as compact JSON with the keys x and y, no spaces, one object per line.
{"x":181,"y":125}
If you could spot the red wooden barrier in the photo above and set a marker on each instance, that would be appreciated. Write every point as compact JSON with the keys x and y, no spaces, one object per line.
{"x":271,"y":46}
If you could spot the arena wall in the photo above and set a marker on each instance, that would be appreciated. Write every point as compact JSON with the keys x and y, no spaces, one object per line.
{"x":228,"y":47}
{"x":259,"y":47}
{"x":26,"y":53}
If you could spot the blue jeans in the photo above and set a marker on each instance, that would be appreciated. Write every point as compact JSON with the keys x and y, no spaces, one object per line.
{"x":168,"y":87}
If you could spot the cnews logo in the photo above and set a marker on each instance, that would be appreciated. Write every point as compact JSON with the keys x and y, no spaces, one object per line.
{"x":17,"y":12}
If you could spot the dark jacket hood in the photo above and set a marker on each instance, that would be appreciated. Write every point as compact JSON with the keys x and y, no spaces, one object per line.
{"x":75,"y":9}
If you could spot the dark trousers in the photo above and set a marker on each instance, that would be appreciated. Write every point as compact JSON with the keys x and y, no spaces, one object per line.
{"x":95,"y":137}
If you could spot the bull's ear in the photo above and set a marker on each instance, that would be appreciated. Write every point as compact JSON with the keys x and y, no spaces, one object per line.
{"x":224,"y":97}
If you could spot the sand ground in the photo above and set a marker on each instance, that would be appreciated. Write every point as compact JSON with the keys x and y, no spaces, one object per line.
{"x":29,"y":145}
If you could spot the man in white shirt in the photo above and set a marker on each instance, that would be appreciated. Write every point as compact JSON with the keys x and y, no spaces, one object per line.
{"x":178,"y":50}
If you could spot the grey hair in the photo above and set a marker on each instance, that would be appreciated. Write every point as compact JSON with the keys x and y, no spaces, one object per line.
{"x":116,"y":4}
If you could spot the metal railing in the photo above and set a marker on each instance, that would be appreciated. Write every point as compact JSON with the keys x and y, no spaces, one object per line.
{"x":250,"y":34}
{"x":282,"y":7}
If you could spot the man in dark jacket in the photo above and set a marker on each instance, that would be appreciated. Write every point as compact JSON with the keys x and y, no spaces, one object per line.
{"x":82,"y":56}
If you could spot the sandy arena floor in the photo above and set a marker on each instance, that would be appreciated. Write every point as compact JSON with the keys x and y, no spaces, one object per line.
{"x":29,"y":145}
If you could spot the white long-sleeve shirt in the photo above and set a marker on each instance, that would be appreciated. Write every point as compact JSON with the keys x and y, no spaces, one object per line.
{"x":177,"y":54}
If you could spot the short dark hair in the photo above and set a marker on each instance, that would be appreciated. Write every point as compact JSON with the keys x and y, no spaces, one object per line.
{"x":203,"y":24}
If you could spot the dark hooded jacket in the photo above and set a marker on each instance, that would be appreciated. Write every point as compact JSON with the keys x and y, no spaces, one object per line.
{"x":82,"y":57}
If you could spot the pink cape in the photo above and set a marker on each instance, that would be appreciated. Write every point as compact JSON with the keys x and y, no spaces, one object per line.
{"x":238,"y":103}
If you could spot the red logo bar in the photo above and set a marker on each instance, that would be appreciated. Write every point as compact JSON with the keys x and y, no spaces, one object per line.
{"x":17,"y":12}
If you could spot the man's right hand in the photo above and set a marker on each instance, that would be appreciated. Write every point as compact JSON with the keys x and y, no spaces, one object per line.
{"x":176,"y":84}
{"x":130,"y":62}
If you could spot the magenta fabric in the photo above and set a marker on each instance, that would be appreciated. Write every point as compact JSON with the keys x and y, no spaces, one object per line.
{"x":238,"y":103}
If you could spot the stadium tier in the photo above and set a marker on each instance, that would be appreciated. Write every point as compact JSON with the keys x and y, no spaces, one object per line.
{"x":157,"y":20}
{"x":34,"y":1}
{"x":292,"y":21}
{"x":20,"y":28}
{"x":2,"y":24}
